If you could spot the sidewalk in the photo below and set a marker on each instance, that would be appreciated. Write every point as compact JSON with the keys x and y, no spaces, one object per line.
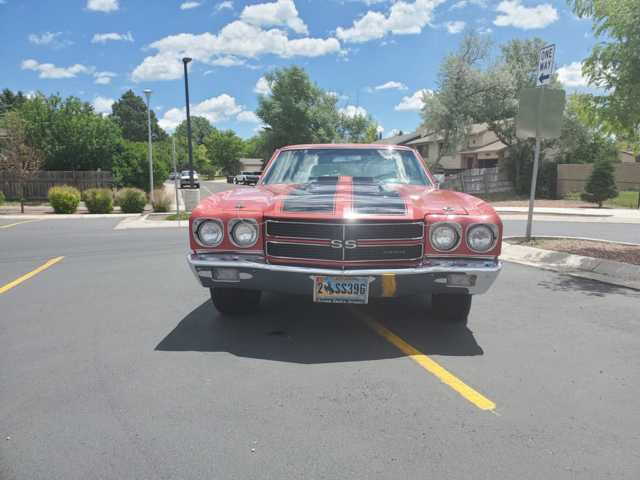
{"x":587,"y":215}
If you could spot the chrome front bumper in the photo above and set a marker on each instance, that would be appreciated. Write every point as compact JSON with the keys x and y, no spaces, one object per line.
{"x":253,"y":272}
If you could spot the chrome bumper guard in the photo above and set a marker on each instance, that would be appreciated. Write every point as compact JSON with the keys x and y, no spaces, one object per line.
{"x":434,"y":275}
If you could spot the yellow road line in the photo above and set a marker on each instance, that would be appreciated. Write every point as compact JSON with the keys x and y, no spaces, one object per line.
{"x":20,"y":223}
{"x":29,"y":275}
{"x":463,"y":389}
{"x":388,"y":284}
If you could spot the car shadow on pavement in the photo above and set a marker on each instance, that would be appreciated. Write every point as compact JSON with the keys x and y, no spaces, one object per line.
{"x":294,"y":329}
{"x":568,"y":283}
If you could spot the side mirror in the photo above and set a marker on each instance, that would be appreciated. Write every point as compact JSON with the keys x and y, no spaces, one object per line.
{"x":439,"y":178}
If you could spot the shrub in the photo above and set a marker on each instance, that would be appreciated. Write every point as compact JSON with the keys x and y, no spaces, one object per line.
{"x":64,"y":199}
{"x":131,"y":200}
{"x":601,"y":184}
{"x":161,"y":200}
{"x":1,"y":198}
{"x":98,"y":200}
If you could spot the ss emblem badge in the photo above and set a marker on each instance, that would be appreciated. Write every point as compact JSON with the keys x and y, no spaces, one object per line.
{"x":347,"y":244}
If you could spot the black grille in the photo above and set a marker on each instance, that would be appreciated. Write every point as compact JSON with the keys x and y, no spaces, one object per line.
{"x":375,"y":253}
{"x":354,"y":231}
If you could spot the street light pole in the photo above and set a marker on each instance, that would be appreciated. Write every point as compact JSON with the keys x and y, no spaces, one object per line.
{"x":186,"y":89}
{"x":148,"y":92}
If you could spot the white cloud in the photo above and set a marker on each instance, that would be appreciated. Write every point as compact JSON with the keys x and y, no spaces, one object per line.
{"x":481,"y":3}
{"x":188,"y":5}
{"x":237,"y":38}
{"x":571,"y":77}
{"x":216,"y":109}
{"x":248,"y":116}
{"x":523,"y":17}
{"x":460,"y":4}
{"x":280,"y":13}
{"x":102,"y":5}
{"x":103,"y":37}
{"x":49,"y":70}
{"x":393,"y":133}
{"x":387,"y":85}
{"x":352,"y":111}
{"x":223,"y":5}
{"x":158,"y":107}
{"x":207,"y":73}
{"x":102,"y":104}
{"x":403,"y":19}
{"x":262,"y":87}
{"x":454,"y":27}
{"x":414,"y":102}
{"x":228,"y":61}
{"x":103,"y":77}
{"x":49,"y":38}
{"x":379,"y":129}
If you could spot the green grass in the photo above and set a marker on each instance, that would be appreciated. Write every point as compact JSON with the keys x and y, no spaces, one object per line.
{"x":174,"y":217}
{"x":624,"y":200}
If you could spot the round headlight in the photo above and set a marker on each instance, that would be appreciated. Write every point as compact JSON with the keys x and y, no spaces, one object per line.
{"x":210,"y":233}
{"x":245,"y":234}
{"x":480,"y":238}
{"x":443,"y":237}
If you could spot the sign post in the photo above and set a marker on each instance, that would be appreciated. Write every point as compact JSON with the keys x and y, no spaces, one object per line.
{"x":543,"y":79}
{"x":175,"y":177}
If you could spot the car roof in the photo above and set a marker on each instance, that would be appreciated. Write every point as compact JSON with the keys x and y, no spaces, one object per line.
{"x":345,"y":145}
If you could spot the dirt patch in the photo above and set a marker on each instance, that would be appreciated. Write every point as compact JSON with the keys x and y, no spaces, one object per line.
{"x":157,"y":218}
{"x":604,"y":251}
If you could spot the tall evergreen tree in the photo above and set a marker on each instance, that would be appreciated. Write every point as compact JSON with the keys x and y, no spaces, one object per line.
{"x":601,"y":184}
{"x":130,"y":113}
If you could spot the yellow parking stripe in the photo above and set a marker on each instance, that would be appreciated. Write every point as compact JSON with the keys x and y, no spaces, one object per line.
{"x":30,"y":274}
{"x":20,"y":223}
{"x":463,"y":389}
{"x":388,"y":284}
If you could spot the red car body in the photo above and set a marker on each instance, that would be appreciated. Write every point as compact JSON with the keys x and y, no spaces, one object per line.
{"x":345,"y":202}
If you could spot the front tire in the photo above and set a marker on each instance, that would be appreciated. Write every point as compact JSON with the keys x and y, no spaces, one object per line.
{"x":235,"y":180}
{"x":235,"y":301}
{"x":244,"y":182}
{"x":452,"y":306}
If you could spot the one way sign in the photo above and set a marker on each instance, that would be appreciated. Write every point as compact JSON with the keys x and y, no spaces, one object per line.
{"x":545,"y":66}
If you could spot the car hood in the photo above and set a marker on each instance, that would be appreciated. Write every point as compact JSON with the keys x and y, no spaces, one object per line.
{"x":345,"y":199}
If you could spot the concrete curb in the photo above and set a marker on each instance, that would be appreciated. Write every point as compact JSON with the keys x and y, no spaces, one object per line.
{"x":54,"y":216}
{"x":606,"y":271}
{"x":143,"y":222}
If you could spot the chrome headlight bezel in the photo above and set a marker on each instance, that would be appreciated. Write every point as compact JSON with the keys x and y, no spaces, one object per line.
{"x":455,"y":227}
{"x":235,"y":223}
{"x":197,"y":225}
{"x":493,"y":229}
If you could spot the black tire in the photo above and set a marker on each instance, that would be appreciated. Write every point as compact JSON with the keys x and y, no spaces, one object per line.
{"x":234,"y":301}
{"x":244,"y":182}
{"x":235,"y":180}
{"x":452,"y":306}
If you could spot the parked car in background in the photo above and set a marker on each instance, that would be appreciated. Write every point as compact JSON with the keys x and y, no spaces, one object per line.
{"x":185,"y":180}
{"x":246,"y":178}
{"x":173,"y":175}
{"x":342,"y":224}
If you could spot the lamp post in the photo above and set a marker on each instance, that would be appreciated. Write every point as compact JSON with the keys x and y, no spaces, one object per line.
{"x":148,"y":92}
{"x":186,"y":89}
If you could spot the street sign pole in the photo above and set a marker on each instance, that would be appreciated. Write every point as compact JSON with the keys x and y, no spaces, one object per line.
{"x":175,"y":177}
{"x":536,"y":157}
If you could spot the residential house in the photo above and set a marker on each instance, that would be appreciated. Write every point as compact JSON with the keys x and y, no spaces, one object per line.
{"x":627,"y":156}
{"x":244,"y":165}
{"x":482,"y":149}
{"x":399,"y":139}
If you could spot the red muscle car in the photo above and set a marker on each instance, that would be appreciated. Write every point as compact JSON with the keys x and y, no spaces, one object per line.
{"x":344,"y":223}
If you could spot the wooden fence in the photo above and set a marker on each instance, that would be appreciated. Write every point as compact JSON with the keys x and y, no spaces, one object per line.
{"x":478,"y":180}
{"x":38,"y":188}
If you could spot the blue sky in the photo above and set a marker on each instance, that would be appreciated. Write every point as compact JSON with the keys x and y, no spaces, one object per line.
{"x":378,"y":54}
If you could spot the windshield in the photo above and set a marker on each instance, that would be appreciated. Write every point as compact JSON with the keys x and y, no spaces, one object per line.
{"x":377,"y":164}
{"x":186,"y":172}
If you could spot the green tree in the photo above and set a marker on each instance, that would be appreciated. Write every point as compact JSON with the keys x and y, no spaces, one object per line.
{"x":131,"y":165}
{"x":200,"y":129}
{"x":223,"y":148}
{"x":353,"y":128}
{"x":297,"y":111}
{"x":463,"y":79}
{"x":70,"y":134}
{"x":371,"y":134}
{"x":614,"y":65}
{"x":200,"y":157}
{"x":11,"y":101}
{"x":601,"y":184}
{"x":254,"y":148}
{"x":130,"y":113}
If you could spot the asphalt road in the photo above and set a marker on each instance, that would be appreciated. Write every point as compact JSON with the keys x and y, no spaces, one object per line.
{"x":114,"y":364}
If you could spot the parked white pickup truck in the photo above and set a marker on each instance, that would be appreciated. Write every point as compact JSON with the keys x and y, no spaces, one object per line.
{"x":246,"y":178}
{"x":185,"y":180}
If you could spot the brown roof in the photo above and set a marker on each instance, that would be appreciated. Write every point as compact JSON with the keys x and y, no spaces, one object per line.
{"x":398,"y":139}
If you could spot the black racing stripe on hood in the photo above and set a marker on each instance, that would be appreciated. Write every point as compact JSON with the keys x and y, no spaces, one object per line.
{"x":311,"y":198}
{"x":377,"y":200}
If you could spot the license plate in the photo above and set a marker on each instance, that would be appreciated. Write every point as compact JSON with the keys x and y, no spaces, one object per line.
{"x":341,"y":290}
